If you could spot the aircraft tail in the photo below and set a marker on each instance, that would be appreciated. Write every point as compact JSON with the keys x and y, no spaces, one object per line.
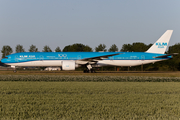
{"x":161,"y":44}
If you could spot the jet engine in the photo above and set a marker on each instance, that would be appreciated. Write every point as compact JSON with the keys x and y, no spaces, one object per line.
{"x":68,"y":65}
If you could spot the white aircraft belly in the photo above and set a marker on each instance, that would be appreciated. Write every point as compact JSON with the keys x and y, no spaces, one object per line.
{"x":101,"y":63}
{"x":38,"y":63}
{"x":125,"y":62}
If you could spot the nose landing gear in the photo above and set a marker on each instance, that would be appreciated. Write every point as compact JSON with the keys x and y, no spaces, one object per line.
{"x":14,"y":67}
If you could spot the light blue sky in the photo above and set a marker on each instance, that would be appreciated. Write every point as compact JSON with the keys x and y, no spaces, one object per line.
{"x":90,"y":22}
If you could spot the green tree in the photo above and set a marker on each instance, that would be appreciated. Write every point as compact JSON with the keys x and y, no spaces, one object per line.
{"x":58,"y":49}
{"x":139,"y":47}
{"x":101,"y":47}
{"x":67,"y":48}
{"x":33,"y":48}
{"x":47,"y":49}
{"x":19,"y":48}
{"x":174,"y":63}
{"x":87,"y":49}
{"x":113,"y":48}
{"x":6,"y":50}
{"x":77,"y":48}
{"x":135,"y":47}
{"x":174,"y":48}
{"x":126,"y":48}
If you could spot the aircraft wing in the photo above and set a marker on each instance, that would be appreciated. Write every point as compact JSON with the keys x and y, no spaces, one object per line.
{"x":93,"y":60}
{"x":164,"y":56}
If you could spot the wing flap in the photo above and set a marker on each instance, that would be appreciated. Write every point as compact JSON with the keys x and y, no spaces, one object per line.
{"x":165,"y":56}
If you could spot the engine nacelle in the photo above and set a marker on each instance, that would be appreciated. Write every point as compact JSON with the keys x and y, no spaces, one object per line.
{"x":68,"y":65}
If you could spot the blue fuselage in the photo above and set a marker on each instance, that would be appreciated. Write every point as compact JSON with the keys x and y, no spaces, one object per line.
{"x":55,"y":58}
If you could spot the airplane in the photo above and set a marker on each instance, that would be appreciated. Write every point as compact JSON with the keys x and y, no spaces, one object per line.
{"x":72,"y":60}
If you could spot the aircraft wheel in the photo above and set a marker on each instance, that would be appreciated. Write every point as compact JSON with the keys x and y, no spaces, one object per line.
{"x":92,"y":71}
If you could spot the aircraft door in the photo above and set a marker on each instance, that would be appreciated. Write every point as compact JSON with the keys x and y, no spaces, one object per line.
{"x":41,"y":57}
{"x":16,"y":58}
{"x":142,"y":57}
{"x":111,"y":58}
{"x":79,"y":57}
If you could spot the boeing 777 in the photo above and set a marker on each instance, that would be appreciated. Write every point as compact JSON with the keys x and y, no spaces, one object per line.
{"x":72,"y":60}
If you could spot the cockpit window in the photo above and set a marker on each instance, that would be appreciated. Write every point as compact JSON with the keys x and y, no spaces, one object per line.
{"x":6,"y":57}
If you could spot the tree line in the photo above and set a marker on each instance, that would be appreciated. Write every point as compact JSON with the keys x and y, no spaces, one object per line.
{"x":7,"y":50}
{"x":173,"y":64}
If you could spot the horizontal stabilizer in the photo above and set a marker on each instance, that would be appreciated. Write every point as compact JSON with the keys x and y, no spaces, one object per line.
{"x":164,"y":56}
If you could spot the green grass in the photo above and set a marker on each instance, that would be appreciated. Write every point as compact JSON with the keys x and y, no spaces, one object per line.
{"x":83,"y":78}
{"x":89,"y":100}
{"x":99,"y":73}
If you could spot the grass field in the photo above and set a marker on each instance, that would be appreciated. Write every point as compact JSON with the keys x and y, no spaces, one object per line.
{"x":89,"y":100}
{"x":99,"y":73}
{"x":102,"y":95}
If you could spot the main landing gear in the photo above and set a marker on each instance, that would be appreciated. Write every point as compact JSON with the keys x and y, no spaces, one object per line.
{"x":89,"y":69}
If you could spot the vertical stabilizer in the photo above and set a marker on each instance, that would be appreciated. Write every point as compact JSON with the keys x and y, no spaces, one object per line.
{"x":161,"y":44}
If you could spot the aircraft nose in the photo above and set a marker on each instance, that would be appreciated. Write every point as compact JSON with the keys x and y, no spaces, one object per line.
{"x":1,"y":63}
{"x":2,"y":60}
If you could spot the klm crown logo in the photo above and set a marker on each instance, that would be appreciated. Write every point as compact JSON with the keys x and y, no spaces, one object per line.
{"x":161,"y":45}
